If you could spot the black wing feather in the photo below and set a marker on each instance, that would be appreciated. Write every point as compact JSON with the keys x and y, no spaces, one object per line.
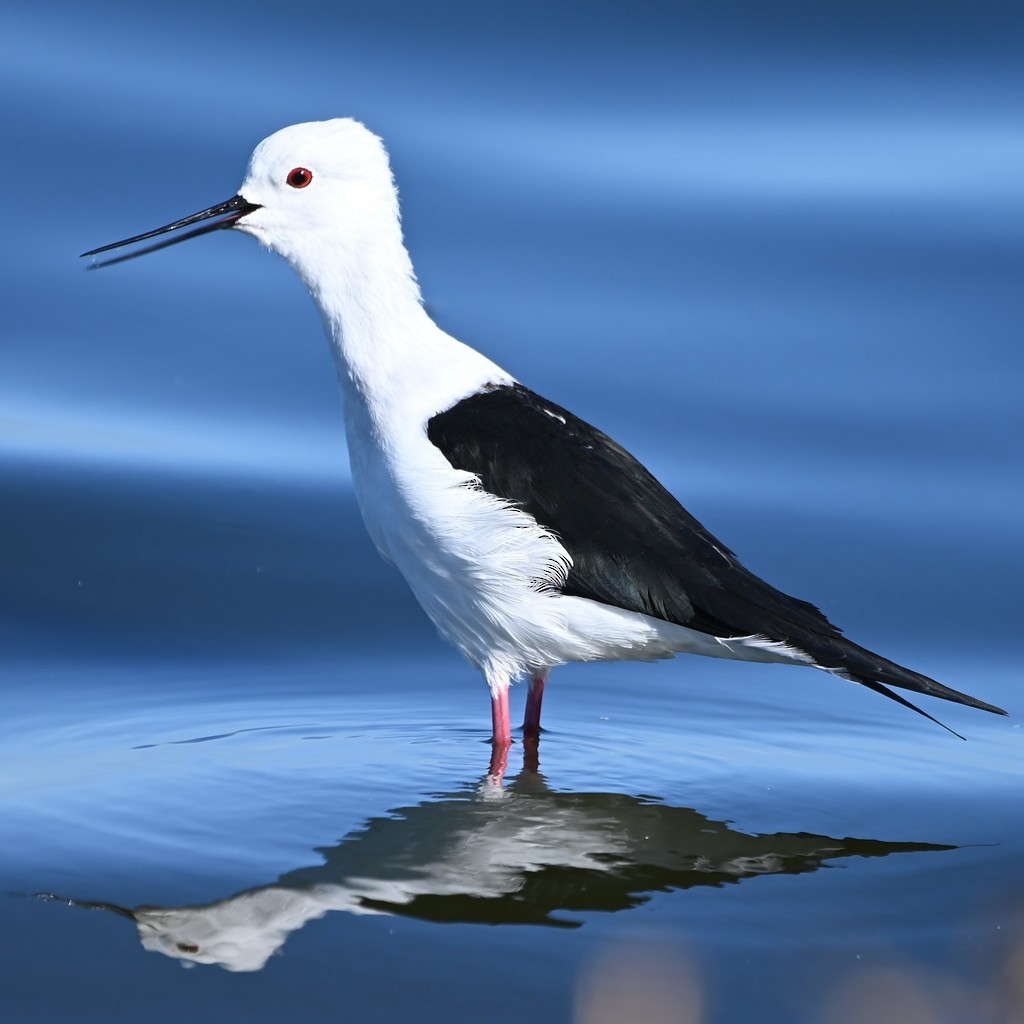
{"x":633,"y":544}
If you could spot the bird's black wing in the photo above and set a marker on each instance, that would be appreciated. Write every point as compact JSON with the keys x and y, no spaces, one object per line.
{"x":632,"y":544}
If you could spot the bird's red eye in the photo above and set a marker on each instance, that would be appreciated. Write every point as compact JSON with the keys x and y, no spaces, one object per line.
{"x":299,"y":177}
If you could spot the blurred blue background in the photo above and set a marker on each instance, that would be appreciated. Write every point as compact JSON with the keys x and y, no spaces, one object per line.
{"x":775,"y":250}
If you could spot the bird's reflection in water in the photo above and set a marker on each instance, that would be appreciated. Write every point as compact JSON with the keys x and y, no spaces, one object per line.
{"x":518,"y":853}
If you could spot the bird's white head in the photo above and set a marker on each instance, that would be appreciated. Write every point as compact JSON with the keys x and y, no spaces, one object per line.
{"x":322,"y":192}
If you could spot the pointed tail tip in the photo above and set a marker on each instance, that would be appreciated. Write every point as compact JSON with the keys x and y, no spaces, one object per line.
{"x":905,"y":679}
{"x":973,"y":702}
{"x":952,"y":695}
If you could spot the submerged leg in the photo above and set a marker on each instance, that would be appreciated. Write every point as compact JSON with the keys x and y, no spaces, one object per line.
{"x":534,"y":699}
{"x":501,"y":733}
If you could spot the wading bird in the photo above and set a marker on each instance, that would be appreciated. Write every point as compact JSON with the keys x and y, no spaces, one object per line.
{"x":529,"y":537}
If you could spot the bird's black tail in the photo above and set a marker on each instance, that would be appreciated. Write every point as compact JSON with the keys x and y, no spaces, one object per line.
{"x":872,"y":670}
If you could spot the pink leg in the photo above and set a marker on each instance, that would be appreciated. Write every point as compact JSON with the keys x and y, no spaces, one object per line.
{"x":534,"y":699}
{"x":501,"y":721}
{"x":501,"y":734}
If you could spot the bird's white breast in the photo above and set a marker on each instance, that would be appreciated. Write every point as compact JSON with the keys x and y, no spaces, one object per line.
{"x":479,"y":569}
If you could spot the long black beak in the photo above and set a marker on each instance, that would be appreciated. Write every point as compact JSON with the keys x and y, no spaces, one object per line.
{"x":229,"y":212}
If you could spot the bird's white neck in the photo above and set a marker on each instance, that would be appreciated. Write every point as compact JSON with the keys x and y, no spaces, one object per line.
{"x":388,"y":351}
{"x":371,"y":308}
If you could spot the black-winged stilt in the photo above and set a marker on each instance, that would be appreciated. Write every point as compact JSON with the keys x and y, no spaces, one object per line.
{"x":530,"y":538}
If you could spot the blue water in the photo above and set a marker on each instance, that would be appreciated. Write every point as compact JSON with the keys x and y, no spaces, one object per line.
{"x":776,"y":250}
